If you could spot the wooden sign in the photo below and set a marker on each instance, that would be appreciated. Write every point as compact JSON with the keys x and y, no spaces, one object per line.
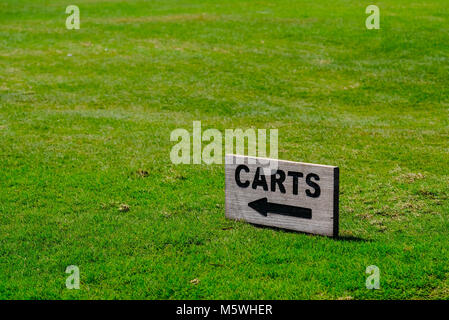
{"x":284,"y":194}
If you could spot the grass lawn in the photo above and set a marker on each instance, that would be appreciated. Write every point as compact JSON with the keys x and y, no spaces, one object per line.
{"x":82,"y":111}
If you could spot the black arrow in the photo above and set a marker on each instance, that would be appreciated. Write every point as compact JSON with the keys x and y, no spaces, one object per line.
{"x":263,"y":207}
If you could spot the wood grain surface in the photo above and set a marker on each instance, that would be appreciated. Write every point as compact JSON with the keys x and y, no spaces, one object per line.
{"x":270,"y":197}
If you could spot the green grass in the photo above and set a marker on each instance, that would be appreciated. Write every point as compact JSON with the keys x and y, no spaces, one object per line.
{"x":74,"y":130}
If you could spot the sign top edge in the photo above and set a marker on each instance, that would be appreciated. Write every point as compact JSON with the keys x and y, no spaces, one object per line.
{"x":271,"y":159}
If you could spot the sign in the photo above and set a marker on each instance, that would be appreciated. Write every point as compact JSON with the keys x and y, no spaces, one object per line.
{"x":284,"y":194}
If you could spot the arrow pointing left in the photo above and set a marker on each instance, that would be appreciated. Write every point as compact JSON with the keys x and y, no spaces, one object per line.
{"x":264,"y":207}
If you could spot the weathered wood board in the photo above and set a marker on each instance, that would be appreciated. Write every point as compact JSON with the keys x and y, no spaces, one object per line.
{"x":284,"y":194}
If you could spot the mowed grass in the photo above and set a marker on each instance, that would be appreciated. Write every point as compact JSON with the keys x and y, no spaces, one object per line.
{"x":82,"y":111}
